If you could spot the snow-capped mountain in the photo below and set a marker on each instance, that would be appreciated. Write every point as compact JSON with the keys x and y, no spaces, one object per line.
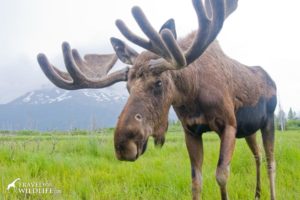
{"x":57,"y":109}
{"x":56,"y":95}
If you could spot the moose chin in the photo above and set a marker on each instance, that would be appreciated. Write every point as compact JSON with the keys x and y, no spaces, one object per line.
{"x":208,"y":90}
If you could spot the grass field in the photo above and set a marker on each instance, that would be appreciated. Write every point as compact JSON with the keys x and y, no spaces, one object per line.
{"x":84,"y":167}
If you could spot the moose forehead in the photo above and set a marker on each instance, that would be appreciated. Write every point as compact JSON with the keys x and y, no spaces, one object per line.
{"x":141,"y":67}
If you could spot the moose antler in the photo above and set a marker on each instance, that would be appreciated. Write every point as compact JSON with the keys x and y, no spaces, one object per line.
{"x":90,"y":72}
{"x":210,"y":21}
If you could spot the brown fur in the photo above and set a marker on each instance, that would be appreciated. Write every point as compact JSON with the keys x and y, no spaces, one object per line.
{"x":217,"y":86}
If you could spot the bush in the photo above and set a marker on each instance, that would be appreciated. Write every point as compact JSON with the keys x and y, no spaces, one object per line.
{"x":293,"y":124}
{"x":27,"y":132}
{"x":4,"y":132}
{"x":79,"y":132}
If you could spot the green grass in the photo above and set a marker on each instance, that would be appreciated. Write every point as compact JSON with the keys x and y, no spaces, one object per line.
{"x":83,"y":166}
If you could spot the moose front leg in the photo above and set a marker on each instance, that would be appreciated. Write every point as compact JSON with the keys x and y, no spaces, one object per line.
{"x":195,"y":149}
{"x":226,"y":151}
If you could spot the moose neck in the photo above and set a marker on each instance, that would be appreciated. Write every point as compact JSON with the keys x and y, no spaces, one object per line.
{"x":190,"y":81}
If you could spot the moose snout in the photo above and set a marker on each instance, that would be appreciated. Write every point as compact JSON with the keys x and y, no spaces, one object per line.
{"x":130,"y":142}
{"x":131,"y":133}
{"x":127,"y":151}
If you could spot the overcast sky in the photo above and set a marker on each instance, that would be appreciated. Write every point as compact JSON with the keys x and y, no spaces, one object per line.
{"x":260,"y":32}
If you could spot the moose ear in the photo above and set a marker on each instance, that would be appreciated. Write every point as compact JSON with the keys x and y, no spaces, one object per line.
{"x":125,"y":53}
{"x":170,"y":24}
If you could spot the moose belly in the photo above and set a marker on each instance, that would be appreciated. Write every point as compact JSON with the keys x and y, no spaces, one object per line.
{"x":198,"y":129}
{"x":251,"y":118}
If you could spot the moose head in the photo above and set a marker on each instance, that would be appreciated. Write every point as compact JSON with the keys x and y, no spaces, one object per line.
{"x":150,"y":79}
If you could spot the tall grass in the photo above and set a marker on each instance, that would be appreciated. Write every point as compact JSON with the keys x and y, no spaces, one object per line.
{"x":84,"y":167}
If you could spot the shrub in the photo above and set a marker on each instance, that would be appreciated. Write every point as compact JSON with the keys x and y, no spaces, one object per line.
{"x":293,"y":124}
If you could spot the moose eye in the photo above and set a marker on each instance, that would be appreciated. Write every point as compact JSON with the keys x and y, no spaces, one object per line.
{"x":157,"y":89}
{"x":158,"y":84}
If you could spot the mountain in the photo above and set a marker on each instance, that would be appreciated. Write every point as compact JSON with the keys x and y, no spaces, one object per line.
{"x":57,"y":109}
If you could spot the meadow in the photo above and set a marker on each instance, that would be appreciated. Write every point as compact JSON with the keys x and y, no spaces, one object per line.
{"x":82,"y":165}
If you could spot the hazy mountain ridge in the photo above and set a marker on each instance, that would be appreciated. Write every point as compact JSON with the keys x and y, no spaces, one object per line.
{"x":56,"y":109}
{"x":55,"y":95}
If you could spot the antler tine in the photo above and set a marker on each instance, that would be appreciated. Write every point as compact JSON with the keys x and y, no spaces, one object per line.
{"x":170,"y":25}
{"x":231,"y":5}
{"x":208,"y":27}
{"x":210,"y":21}
{"x":92,"y":72}
{"x":180,"y":59}
{"x":77,"y":57}
{"x":177,"y":54}
{"x":57,"y":77}
{"x":218,"y":18}
{"x":151,"y":33}
{"x":203,"y":31}
{"x":131,"y":36}
{"x":155,"y":43}
{"x":71,"y":65}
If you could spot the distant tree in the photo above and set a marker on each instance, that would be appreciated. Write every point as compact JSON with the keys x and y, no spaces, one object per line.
{"x":291,"y":114}
{"x":298,"y":115}
{"x":281,"y":119}
{"x":93,"y":123}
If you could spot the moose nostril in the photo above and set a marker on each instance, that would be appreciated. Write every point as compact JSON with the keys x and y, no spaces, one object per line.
{"x":138,"y":117}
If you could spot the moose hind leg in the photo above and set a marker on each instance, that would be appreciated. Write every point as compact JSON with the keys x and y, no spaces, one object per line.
{"x":251,"y":141}
{"x":268,"y":141}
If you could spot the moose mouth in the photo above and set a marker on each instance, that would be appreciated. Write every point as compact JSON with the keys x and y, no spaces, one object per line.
{"x":137,"y":150}
{"x":141,"y":148}
{"x":144,"y":147}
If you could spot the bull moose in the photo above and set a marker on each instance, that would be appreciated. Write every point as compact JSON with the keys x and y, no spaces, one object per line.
{"x":208,"y":90}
